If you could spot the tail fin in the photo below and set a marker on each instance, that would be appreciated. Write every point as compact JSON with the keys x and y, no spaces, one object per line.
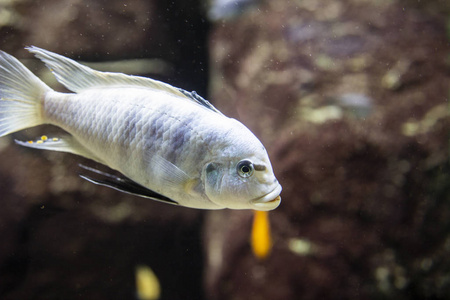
{"x":21,"y":96}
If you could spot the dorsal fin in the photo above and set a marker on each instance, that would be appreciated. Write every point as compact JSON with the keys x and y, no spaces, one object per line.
{"x":77,"y":77}
{"x":200,"y":100}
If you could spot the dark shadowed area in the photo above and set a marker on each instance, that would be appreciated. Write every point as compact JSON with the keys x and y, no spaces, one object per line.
{"x":351,"y":100}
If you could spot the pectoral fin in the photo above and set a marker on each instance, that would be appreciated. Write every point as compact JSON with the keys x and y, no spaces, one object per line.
{"x":170,"y":175}
{"x":122,"y":184}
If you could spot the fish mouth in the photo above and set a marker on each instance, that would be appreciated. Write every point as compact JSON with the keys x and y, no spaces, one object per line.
{"x":269,"y":201}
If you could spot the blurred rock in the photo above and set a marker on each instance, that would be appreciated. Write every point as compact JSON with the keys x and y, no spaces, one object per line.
{"x":229,"y":9}
{"x":172,"y":31}
{"x":63,"y":237}
{"x":365,"y":211}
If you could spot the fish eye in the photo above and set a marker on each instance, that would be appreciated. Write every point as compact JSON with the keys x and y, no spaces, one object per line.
{"x":245,"y":168}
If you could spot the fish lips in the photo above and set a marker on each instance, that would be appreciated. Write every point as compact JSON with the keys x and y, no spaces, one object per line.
{"x":269,"y":201}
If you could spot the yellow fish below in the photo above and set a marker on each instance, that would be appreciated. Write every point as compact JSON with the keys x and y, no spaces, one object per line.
{"x":261,"y":237}
{"x":147,"y":284}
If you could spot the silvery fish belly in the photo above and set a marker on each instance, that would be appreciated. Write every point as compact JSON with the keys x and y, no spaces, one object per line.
{"x":168,"y":144}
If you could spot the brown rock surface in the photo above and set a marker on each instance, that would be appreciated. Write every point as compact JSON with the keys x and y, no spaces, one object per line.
{"x":351,"y":100}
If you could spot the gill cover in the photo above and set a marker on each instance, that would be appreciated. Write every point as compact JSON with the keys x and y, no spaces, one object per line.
{"x":213,"y":175}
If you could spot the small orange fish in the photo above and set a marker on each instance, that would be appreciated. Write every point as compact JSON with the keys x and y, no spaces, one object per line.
{"x":147,"y":284}
{"x":261,"y":237}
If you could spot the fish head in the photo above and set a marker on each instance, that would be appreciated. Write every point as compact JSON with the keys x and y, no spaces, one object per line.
{"x":242,"y":182}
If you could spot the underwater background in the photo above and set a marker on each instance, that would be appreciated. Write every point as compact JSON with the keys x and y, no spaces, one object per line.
{"x":351,"y":100}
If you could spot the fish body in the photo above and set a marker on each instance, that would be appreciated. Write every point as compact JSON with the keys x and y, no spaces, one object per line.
{"x":169,"y":144}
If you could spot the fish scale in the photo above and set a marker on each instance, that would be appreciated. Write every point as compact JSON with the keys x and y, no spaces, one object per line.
{"x":158,"y":131}
{"x":168,"y":144}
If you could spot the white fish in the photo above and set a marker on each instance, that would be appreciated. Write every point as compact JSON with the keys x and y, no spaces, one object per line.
{"x":170,"y":145}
